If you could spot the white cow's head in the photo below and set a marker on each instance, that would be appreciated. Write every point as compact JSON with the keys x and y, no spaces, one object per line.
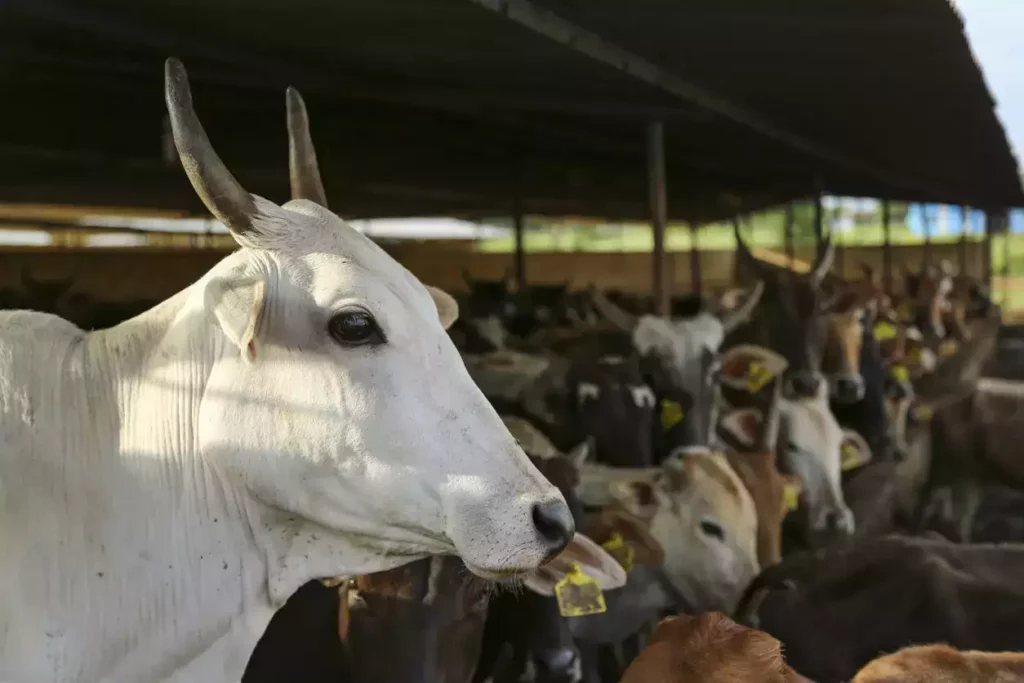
{"x":679,"y":343}
{"x":336,"y":397}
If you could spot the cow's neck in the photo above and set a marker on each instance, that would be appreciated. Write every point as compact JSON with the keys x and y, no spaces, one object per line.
{"x":234,"y":560}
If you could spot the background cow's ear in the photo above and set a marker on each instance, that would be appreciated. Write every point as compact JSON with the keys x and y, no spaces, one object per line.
{"x":854,"y":450}
{"x":638,"y":496}
{"x":742,"y":426}
{"x":578,"y":455}
{"x":447,"y":307}
{"x":588,"y":556}
{"x":237,"y":304}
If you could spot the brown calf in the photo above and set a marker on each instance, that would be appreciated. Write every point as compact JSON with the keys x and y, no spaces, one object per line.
{"x":710,"y":648}
{"x":943,"y":664}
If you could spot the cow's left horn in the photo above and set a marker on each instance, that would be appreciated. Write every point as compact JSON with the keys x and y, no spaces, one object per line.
{"x":221,"y":193}
{"x":739,"y":315}
{"x":303,"y":169}
{"x":614,"y":314}
{"x":824,"y":262}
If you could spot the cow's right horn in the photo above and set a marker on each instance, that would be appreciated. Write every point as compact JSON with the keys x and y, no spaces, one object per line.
{"x":739,"y":315}
{"x":611,"y":312}
{"x":303,"y":169}
{"x":221,"y":193}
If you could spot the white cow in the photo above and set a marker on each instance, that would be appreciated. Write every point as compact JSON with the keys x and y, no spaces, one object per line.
{"x":298,"y":413}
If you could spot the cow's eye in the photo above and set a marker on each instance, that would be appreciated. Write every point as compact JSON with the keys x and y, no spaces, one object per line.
{"x":355,"y":328}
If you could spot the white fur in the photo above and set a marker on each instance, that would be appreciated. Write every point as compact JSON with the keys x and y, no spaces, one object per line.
{"x":680,"y":344}
{"x":165,"y":485}
{"x":817,"y":458}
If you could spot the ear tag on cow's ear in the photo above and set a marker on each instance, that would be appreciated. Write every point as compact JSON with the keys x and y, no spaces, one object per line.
{"x":579,"y":595}
{"x":905,"y":312}
{"x":948,"y":348}
{"x":900,"y":374}
{"x":923,"y":413}
{"x":884,"y":331}
{"x":671,"y":414}
{"x":792,"y":497}
{"x":620,"y":550}
{"x":850,"y":456}
{"x":915,"y":355}
{"x":757,"y":376}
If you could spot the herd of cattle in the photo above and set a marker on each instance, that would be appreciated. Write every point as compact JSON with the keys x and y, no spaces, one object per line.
{"x":532,"y":485}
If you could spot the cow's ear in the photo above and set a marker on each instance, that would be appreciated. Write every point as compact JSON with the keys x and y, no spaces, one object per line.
{"x":742,"y":426}
{"x":750,"y":368}
{"x":447,"y":307}
{"x":585,"y":554}
{"x":577,"y":457}
{"x":237,"y":304}
{"x":639,"y":497}
{"x":647,"y":550}
{"x":854,"y":450}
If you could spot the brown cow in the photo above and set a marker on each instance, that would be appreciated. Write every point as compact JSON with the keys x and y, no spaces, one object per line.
{"x":943,"y":664}
{"x":710,"y":648}
{"x":753,"y":439}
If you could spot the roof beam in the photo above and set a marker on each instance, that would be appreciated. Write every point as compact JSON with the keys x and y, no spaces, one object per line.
{"x":535,"y":17}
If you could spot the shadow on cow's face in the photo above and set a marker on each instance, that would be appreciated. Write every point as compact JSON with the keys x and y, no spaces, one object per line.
{"x":841,"y":362}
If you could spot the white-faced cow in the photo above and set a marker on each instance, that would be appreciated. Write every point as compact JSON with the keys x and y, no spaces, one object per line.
{"x":299,"y":412}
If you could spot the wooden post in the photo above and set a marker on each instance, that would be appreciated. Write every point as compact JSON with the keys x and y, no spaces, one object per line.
{"x":696,"y":277}
{"x":962,"y":247}
{"x":819,"y":219}
{"x":986,"y":254}
{"x":886,"y":247}
{"x":519,"y":221}
{"x":926,"y":256}
{"x":659,"y":214}
{"x":788,"y":234}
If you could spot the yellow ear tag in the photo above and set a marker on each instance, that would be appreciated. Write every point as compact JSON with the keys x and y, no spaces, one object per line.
{"x":905,"y":312}
{"x":923,"y":413}
{"x":620,"y":550}
{"x":851,"y":457}
{"x":948,"y":348}
{"x":900,"y":374}
{"x":915,"y":355}
{"x":884,"y":331}
{"x":671,"y":414}
{"x":757,"y":376}
{"x":579,"y":595}
{"x":792,"y":497}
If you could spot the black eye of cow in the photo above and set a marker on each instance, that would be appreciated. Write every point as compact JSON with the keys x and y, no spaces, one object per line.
{"x":355,"y":328}
{"x":712,"y":529}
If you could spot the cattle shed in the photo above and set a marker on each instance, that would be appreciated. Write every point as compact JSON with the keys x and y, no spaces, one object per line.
{"x":669,"y":111}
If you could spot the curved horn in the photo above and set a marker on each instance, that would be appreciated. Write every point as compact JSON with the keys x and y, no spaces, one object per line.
{"x":824,"y":262}
{"x":611,"y":312}
{"x":745,"y":255}
{"x":303,"y":170}
{"x":221,"y":193}
{"x":741,"y":313}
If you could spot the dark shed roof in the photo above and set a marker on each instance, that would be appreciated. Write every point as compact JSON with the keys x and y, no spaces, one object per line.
{"x":448,"y":106}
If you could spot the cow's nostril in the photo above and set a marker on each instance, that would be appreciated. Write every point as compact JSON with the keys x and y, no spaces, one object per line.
{"x":554,"y":523}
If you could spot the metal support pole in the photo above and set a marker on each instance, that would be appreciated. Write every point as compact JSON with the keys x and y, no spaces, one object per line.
{"x":986,"y":253}
{"x":962,"y":247}
{"x":519,"y":221}
{"x":659,"y":214}
{"x":886,"y":246}
{"x":926,"y":256}
{"x":696,"y":277}
{"x":819,"y":219}
{"x":787,"y":234}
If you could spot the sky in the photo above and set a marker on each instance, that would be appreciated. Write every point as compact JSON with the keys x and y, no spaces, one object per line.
{"x":995,"y":29}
